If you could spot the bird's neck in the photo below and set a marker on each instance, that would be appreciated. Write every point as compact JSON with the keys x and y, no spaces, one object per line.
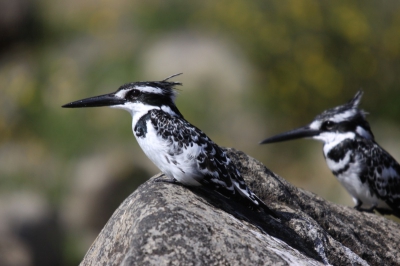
{"x":364,"y":131}
{"x":171,"y":110}
{"x":143,"y":109}
{"x":333,"y":139}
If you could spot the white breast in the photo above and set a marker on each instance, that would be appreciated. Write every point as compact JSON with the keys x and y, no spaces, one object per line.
{"x":183,"y":167}
{"x":350,"y":179}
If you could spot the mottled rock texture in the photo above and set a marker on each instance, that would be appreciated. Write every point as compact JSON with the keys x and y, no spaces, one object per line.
{"x":167,"y":224}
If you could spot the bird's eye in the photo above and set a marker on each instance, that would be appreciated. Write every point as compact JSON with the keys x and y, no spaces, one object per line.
{"x":133,"y":94}
{"x":328,"y":125}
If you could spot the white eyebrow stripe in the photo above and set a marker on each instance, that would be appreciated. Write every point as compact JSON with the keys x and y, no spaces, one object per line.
{"x":149,"y":89}
{"x":145,"y":89}
{"x":343,"y":116}
{"x":121,"y":93}
{"x":315,"y":125}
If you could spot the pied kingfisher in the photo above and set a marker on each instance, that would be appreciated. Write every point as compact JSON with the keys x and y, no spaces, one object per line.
{"x":368,"y":172}
{"x":180,"y":150}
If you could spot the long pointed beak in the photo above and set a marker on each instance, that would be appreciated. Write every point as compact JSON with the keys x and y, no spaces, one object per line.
{"x":302,"y":132}
{"x":96,"y":101}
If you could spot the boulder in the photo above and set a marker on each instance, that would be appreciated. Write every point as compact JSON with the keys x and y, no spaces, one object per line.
{"x":168,"y":224}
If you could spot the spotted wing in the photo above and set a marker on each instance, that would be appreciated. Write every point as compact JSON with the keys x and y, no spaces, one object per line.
{"x":382,"y":172}
{"x":217,"y":170}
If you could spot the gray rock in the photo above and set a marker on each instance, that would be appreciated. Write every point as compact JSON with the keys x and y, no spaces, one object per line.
{"x":167,"y":224}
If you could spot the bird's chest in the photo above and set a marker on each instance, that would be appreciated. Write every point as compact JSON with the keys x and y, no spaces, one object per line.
{"x":152,"y":144}
{"x":346,"y":165}
{"x":340,"y":157}
{"x":171,"y":156}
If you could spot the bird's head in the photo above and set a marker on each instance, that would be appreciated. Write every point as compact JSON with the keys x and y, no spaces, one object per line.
{"x":344,"y":121}
{"x":136,"y":97}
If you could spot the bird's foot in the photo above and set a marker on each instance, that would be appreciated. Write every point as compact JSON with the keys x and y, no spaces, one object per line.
{"x":369,"y":210}
{"x":166,"y":180}
{"x":358,"y":204}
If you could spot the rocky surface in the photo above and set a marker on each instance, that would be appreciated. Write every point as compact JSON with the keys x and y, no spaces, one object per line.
{"x":167,"y":224}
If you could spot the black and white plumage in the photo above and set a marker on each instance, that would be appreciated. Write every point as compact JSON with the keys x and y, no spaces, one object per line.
{"x":369,"y":173}
{"x":180,"y":150}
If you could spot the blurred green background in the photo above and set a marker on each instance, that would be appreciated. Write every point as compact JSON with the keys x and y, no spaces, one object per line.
{"x":251,"y":69}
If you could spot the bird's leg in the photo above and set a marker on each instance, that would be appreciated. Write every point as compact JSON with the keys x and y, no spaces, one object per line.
{"x":371,"y":210}
{"x":166,"y":180}
{"x":169,"y":180}
{"x":358,"y":205}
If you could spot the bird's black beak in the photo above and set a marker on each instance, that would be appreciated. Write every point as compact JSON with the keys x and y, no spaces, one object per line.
{"x":302,"y":132}
{"x":97,"y":101}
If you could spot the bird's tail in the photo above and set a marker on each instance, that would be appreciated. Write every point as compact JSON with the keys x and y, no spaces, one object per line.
{"x":256,"y":201}
{"x":264,"y":207}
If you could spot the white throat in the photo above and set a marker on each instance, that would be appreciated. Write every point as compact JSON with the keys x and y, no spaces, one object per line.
{"x":332,"y":139}
{"x":138,"y":109}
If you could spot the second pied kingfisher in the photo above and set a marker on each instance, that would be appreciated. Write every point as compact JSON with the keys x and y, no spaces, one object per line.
{"x":180,"y":150}
{"x":368,"y":172}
